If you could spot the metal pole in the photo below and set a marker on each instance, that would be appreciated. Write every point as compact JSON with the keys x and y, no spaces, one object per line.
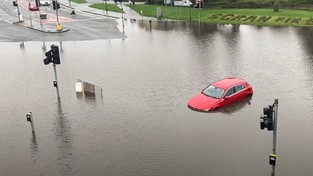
{"x":18,"y":11}
{"x":181,"y":4}
{"x":106,"y":7}
{"x":122,"y":17}
{"x":189,"y":13}
{"x":39,"y":16}
{"x":57,"y":13}
{"x":56,"y":79}
{"x":56,"y":10}
{"x":275,"y":119}
{"x":69,"y":3}
{"x":31,"y":121}
{"x":32,"y":125}
{"x":199,"y":9}
{"x":275,"y":125}
{"x":31,"y":21}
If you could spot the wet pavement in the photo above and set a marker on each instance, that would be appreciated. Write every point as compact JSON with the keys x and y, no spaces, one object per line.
{"x":82,"y":8}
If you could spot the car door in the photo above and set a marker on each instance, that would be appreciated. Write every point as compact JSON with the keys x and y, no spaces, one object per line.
{"x":228,"y":97}
{"x":239,"y":92}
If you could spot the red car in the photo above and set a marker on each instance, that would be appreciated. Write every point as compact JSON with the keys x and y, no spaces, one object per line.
{"x":220,"y":93}
{"x":32,"y":6}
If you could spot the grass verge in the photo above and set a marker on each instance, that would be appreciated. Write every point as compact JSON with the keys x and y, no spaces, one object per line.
{"x":108,"y":7}
{"x":79,"y":1}
{"x":285,"y":17}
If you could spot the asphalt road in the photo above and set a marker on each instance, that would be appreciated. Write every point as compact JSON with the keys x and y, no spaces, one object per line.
{"x":82,"y":26}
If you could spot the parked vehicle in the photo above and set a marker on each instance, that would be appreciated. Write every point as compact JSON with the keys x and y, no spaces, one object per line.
{"x":32,"y":6}
{"x":185,"y":3}
{"x":45,"y":2}
{"x":220,"y":94}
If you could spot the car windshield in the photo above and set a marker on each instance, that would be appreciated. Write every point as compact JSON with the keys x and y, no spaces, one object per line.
{"x":213,"y":91}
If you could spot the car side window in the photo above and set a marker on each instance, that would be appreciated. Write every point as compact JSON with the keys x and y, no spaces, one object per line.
{"x":230,"y":92}
{"x":239,"y":88}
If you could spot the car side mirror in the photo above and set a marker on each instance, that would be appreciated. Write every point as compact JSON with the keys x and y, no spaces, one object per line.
{"x":226,"y":97}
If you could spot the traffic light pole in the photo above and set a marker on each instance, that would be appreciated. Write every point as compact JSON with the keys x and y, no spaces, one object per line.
{"x":269,"y":120}
{"x":18,"y":12}
{"x":275,"y":119}
{"x":55,"y":5}
{"x":55,"y":83}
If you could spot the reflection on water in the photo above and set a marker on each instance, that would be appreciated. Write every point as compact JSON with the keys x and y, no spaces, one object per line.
{"x":34,"y":144}
{"x":64,"y":140}
{"x":142,"y":125}
{"x":229,"y":110}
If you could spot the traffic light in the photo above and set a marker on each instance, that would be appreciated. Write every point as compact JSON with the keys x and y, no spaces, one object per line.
{"x":48,"y":58}
{"x":14,"y":3}
{"x":37,"y":3}
{"x":55,"y":54}
{"x":52,"y":56}
{"x":55,"y":5}
{"x":266,"y":121}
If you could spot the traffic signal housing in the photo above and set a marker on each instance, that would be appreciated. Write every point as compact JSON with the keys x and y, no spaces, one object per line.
{"x":55,"y":5}
{"x":266,"y":120}
{"x":37,"y":3}
{"x":55,"y":54}
{"x":48,"y":58}
{"x":52,"y":56}
{"x":14,"y":3}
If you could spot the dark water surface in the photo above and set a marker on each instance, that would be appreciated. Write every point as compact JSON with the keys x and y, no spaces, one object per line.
{"x":143,"y":126}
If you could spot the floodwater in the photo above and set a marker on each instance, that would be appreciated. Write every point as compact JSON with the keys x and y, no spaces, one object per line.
{"x":142,"y":126}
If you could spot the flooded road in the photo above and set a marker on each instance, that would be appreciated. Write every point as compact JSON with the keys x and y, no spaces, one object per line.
{"x":143,"y":126}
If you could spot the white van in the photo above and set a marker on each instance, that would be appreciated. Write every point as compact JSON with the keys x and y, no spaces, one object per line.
{"x":185,"y":3}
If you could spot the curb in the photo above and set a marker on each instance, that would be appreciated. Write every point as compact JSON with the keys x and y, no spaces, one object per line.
{"x":41,"y":30}
{"x":49,"y":31}
{"x":95,"y":13}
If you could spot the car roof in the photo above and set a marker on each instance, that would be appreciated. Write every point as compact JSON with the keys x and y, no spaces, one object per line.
{"x":228,"y":82}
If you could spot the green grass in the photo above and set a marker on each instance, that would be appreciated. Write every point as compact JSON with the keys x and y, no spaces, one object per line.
{"x":79,"y":1}
{"x":186,"y":13}
{"x":109,"y":7}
